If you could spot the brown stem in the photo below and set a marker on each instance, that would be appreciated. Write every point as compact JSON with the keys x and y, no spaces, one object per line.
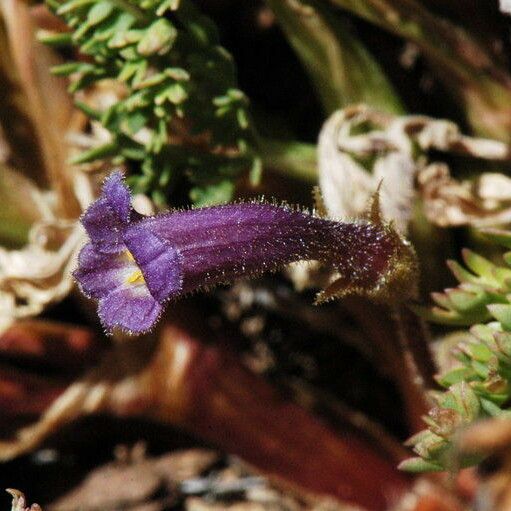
{"x":49,"y":103}
{"x":394,"y":346}
{"x":343,"y":416}
{"x":204,"y":389}
{"x":222,"y":402}
{"x":25,"y":394}
{"x":61,"y":346}
{"x":413,"y":336}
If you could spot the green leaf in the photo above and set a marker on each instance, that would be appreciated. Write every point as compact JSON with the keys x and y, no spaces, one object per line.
{"x":72,"y":5}
{"x":88,"y":110}
{"x":55,"y":39}
{"x":462,"y":301}
{"x":176,"y":93}
{"x":490,"y":408}
{"x":125,"y":37}
{"x":158,"y":38}
{"x":455,"y":376}
{"x":483,"y":332}
{"x":72,"y":67}
{"x":95,"y":154}
{"x":151,"y":81}
{"x":451,"y":317}
{"x":419,"y":465}
{"x":167,"y":5}
{"x":441,"y":299}
{"x":480,"y":265}
{"x":217,"y":193}
{"x":136,"y":121}
{"x":177,"y":73}
{"x":461,"y":274}
{"x":463,"y":400}
{"x":99,"y":12}
{"x":480,"y":352}
{"x":503,"y":342}
{"x":256,"y":171}
{"x":501,"y":313}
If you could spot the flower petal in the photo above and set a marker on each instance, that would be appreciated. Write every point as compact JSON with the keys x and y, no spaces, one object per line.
{"x":131,"y":308}
{"x":106,"y":218}
{"x":99,"y":274}
{"x":118,"y":195}
{"x":158,"y":260}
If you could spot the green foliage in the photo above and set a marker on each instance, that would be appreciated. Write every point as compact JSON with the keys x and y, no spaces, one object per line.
{"x":482,"y":283}
{"x":342,"y":70}
{"x":480,"y":385}
{"x":181,"y":113}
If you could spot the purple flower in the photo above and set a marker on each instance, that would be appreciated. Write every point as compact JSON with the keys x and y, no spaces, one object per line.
{"x":134,"y":264}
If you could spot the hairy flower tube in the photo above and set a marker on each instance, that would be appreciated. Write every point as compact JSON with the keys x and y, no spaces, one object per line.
{"x":134,"y":264}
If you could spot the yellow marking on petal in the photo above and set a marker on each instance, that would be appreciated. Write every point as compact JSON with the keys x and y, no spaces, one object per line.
{"x":136,"y":277}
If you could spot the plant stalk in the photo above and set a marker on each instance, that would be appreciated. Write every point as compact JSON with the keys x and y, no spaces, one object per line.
{"x":290,"y":158}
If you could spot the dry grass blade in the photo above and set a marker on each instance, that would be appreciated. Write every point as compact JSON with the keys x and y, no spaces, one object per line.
{"x":49,"y":105}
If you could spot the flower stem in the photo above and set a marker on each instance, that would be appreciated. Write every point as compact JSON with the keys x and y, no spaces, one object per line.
{"x":291,"y":158}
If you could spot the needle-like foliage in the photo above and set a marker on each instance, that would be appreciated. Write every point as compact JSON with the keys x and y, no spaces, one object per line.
{"x":180,"y":112}
{"x":480,"y":385}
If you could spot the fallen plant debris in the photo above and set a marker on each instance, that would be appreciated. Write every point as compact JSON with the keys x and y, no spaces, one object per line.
{"x":143,"y":379}
{"x":189,"y":479}
{"x":19,"y":502}
{"x":361,"y":148}
{"x":38,"y":274}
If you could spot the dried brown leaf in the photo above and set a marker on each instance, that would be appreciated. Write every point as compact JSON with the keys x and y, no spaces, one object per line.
{"x":39,"y":273}
{"x":483,"y":202}
{"x":360,"y":148}
{"x":19,"y":502}
{"x":505,"y":6}
{"x":119,"y":484}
